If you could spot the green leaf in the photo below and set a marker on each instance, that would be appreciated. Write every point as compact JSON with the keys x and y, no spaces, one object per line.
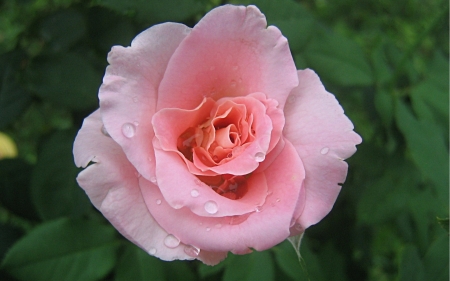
{"x":443,"y":223}
{"x":180,"y":270}
{"x":254,"y":267}
{"x":436,"y":260}
{"x":61,"y":30}
{"x":135,"y":264}
{"x":428,"y":149}
{"x":295,"y":22}
{"x":286,"y":257}
{"x":338,"y":59}
{"x":15,"y":175}
{"x":154,"y":11}
{"x":63,"y":250}
{"x":411,"y":267}
{"x":54,"y":190}
{"x":68,"y":80}
{"x":8,"y":235}
{"x":207,"y":270}
{"x":14,"y":98}
{"x":385,"y":107}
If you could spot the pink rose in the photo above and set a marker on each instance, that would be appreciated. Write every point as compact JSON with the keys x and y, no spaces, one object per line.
{"x":209,"y":140}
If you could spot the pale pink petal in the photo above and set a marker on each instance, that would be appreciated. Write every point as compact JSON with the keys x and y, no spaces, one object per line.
{"x":230,"y":52}
{"x":323,"y":137}
{"x":264,"y":228}
{"x":112,"y":184}
{"x":129,"y":94}
{"x":182,"y":189}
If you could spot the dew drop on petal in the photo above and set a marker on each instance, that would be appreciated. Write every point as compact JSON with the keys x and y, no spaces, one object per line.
{"x":153,"y":179}
{"x":171,"y":241}
{"x":233,"y":83}
{"x":218,"y":225}
{"x":198,"y":182}
{"x":324,"y":150}
{"x":152,"y":251}
{"x":137,"y":174}
{"x":158,"y":202}
{"x":208,"y":229}
{"x":258,"y":209}
{"x":260,"y":156}
{"x":211,"y":207}
{"x":278,"y":199}
{"x":194,"y":193}
{"x":128,"y":130}
{"x":191,"y":251}
{"x":136,"y":123}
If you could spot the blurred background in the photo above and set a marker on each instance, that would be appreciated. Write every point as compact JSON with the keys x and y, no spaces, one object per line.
{"x":387,"y":63}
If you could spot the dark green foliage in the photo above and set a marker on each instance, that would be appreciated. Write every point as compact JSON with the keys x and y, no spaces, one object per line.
{"x":387,"y":63}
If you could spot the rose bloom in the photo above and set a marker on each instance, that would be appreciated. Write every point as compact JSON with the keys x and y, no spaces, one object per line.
{"x":208,"y":140}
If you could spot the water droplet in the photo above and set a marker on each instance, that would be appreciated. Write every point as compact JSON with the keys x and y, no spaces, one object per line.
{"x":153,"y":179}
{"x":235,"y":67}
{"x":258,"y":209}
{"x":104,"y":131}
{"x":218,"y":225}
{"x":137,"y":174}
{"x":278,"y":199}
{"x":158,"y":202}
{"x":233,"y":83}
{"x":149,"y":159}
{"x":194,"y":193}
{"x":208,"y":229}
{"x":171,"y":241}
{"x":135,"y":99}
{"x":198,"y":182}
{"x":136,"y":123}
{"x":324,"y":150}
{"x":191,"y":251}
{"x":128,"y":130}
{"x":152,"y":251}
{"x":211,"y":207}
{"x":260,"y":156}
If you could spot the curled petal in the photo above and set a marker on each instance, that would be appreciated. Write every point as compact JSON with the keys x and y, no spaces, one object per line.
{"x":267,"y":226}
{"x":128,"y":94}
{"x":229,"y":53}
{"x":323,"y":137}
{"x":111,"y":183}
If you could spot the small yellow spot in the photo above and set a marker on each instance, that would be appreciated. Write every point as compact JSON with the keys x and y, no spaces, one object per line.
{"x":8,"y":148}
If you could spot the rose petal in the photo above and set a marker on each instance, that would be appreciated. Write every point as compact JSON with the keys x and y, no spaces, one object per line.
{"x":178,"y":185}
{"x":263,"y":229}
{"x":230,"y":52}
{"x":323,"y":136}
{"x":129,"y":91}
{"x":111,"y":183}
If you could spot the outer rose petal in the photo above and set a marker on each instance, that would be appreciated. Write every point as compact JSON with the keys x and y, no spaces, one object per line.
{"x":263,"y":229}
{"x":113,"y":187}
{"x":128,"y":94}
{"x":230,"y":52}
{"x":323,"y":136}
